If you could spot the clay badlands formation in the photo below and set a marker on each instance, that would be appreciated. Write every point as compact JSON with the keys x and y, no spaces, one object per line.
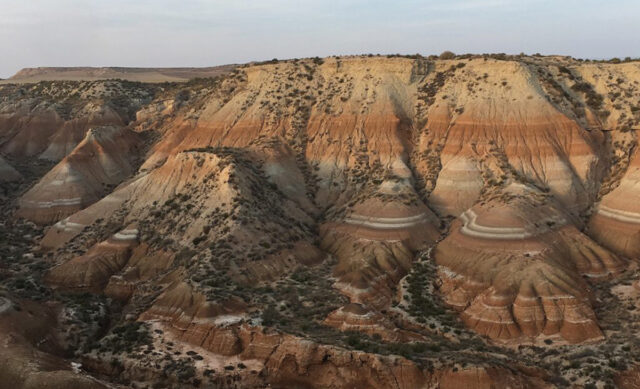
{"x":346,"y":222}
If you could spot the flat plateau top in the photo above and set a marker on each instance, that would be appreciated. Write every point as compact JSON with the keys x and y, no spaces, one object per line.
{"x":33,"y":75}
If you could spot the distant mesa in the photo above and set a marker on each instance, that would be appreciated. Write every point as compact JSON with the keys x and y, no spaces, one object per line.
{"x":33,"y":75}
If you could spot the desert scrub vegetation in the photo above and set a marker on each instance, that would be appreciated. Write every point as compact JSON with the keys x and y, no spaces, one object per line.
{"x":252,"y":190}
{"x":132,"y":349}
{"x":593,"y":99}
{"x":124,"y":338}
{"x":250,"y":225}
{"x":423,"y":301}
{"x":299,"y":303}
{"x":447,"y":55}
{"x":70,"y":98}
{"x":191,"y":97}
{"x":84,"y":319}
{"x":429,"y":87}
{"x":21,"y":269}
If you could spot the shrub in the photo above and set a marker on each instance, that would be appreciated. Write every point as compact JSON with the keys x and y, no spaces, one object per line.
{"x":270,"y":316}
{"x":447,"y":55}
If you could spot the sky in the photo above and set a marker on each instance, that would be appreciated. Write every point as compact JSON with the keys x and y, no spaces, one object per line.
{"x":170,"y":33}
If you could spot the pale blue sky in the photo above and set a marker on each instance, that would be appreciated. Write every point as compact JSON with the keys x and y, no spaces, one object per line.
{"x":204,"y":33}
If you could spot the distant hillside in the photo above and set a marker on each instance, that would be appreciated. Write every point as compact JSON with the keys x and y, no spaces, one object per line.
{"x":30,"y":75}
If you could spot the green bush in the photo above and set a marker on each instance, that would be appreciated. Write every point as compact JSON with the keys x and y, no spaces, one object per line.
{"x":447,"y":55}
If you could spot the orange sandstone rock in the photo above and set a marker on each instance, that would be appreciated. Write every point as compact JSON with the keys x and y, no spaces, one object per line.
{"x":513,"y":276}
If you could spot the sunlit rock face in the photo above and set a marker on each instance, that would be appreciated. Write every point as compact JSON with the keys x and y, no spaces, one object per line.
{"x":494,"y":119}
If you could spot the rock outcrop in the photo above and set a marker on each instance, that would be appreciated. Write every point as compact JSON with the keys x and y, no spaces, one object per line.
{"x":356,"y":317}
{"x":516,"y":276}
{"x":73,"y":131}
{"x":616,"y":220}
{"x":375,"y":238}
{"x":48,"y":120}
{"x":24,"y":132}
{"x":92,"y":270}
{"x":489,"y":120}
{"x":103,"y":159}
{"x":288,"y":361}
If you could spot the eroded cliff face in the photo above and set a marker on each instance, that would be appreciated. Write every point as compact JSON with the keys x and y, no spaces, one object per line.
{"x":615,"y":219}
{"x":346,"y":222}
{"x":101,"y":161}
{"x":527,"y":276}
{"x":47,"y":120}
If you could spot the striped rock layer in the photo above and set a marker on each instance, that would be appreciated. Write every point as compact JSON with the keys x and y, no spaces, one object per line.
{"x":365,"y":161}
